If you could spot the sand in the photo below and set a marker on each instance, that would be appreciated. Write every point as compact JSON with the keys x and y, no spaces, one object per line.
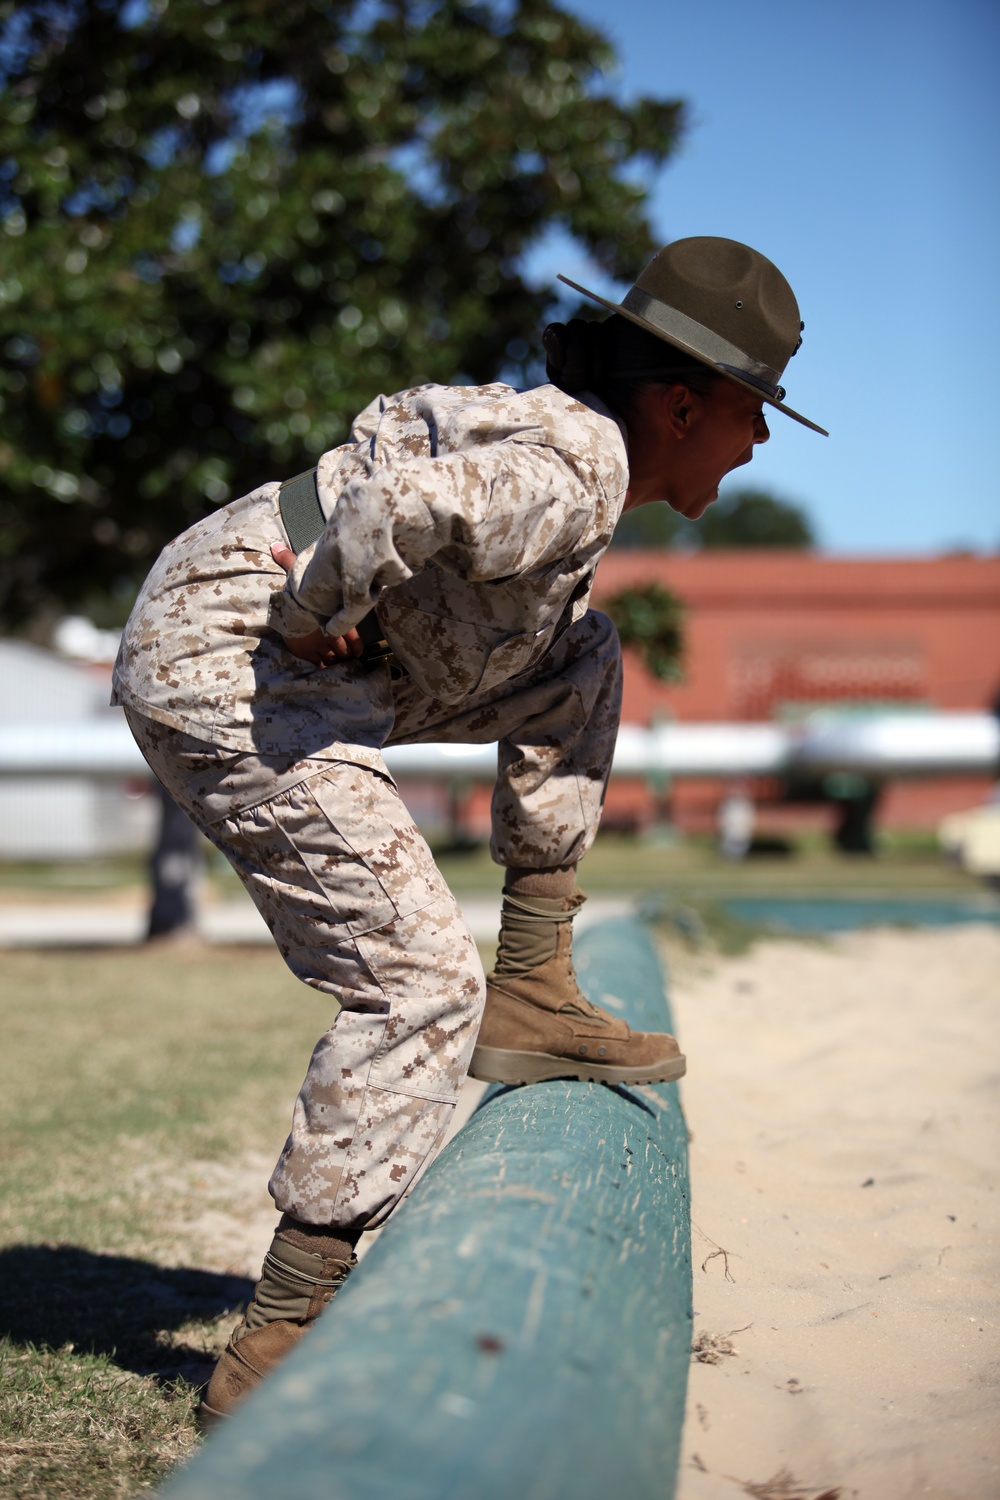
{"x":843,"y":1104}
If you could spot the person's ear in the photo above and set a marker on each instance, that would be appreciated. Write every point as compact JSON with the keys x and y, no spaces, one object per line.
{"x":677,"y":409}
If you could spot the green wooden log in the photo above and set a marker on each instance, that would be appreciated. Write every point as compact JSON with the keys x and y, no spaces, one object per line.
{"x":522,"y":1328}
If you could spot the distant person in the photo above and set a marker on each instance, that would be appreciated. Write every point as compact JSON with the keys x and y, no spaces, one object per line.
{"x":446,"y":554}
{"x":735,"y":820}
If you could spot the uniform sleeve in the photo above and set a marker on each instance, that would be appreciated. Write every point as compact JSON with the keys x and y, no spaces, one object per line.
{"x":494,"y":511}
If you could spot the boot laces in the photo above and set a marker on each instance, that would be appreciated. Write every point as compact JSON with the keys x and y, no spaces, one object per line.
{"x":524,"y":907}
{"x":579,"y":1005}
{"x":291,"y":1272}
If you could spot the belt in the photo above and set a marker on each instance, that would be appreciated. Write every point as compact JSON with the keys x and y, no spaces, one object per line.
{"x":303,"y":519}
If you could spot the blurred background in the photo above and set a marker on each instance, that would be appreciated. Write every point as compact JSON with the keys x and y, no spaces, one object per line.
{"x":225,"y":226}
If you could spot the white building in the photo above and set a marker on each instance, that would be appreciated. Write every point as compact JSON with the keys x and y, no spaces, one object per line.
{"x":64,"y":817}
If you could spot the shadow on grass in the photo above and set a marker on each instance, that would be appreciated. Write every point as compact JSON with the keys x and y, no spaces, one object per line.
{"x":54,"y":1295}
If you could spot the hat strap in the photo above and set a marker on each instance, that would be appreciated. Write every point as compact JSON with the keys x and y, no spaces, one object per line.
{"x":702,"y":341}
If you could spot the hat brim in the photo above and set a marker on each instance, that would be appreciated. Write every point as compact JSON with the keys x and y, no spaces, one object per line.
{"x":678,"y":343}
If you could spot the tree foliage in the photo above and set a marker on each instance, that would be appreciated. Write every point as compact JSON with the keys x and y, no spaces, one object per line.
{"x":227,"y":224}
{"x":754,"y":518}
{"x":651,"y":618}
{"x":651,"y":526}
{"x":741,"y":518}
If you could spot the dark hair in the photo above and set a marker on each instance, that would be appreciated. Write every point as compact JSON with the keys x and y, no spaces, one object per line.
{"x":615,"y":359}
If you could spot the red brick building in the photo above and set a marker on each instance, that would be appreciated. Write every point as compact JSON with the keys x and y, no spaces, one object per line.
{"x":770,"y":634}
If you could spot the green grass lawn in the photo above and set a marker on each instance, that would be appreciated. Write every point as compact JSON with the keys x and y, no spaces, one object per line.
{"x":131,"y":1082}
{"x":905,"y":862}
{"x":692,"y":867}
{"x":144,"y":1092}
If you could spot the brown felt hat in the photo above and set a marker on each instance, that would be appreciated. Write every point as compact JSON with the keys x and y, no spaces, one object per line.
{"x":725,"y":304}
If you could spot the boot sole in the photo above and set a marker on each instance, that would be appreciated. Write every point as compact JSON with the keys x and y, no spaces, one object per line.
{"x":207,"y":1416}
{"x":500,"y":1065}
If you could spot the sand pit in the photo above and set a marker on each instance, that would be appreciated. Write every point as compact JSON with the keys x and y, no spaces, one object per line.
{"x":843,"y":1104}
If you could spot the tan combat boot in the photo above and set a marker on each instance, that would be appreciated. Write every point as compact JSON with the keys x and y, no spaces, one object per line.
{"x":303,"y":1270}
{"x":538,"y":1024}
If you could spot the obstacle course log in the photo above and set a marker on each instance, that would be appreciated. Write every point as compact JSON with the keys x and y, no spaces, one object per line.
{"x":522,"y":1328}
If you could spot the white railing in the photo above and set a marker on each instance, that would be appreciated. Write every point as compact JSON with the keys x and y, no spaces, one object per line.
{"x":880,"y":745}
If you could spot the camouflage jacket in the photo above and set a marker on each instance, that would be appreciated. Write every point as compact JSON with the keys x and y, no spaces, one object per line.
{"x":471,"y":518}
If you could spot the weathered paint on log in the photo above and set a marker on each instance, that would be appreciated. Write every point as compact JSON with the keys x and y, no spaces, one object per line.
{"x":522,"y":1328}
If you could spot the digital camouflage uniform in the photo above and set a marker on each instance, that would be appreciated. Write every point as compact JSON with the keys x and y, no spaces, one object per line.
{"x":473,"y":519}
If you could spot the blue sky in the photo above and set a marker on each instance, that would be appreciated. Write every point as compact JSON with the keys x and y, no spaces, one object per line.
{"x":858,"y":146}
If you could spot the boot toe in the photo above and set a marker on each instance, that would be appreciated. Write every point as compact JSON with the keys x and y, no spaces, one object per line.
{"x":243,"y":1364}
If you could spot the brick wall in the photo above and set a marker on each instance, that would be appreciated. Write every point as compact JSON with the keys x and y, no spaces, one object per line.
{"x":770,"y":634}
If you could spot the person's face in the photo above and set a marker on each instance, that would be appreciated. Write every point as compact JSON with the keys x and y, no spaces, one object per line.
{"x":682,"y":445}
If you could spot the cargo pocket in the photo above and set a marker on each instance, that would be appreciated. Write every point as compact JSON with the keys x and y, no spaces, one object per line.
{"x":361,"y":862}
{"x":514,"y":656}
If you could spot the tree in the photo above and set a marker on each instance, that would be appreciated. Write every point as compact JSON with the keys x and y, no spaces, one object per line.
{"x":651,"y":526}
{"x":746,"y":518}
{"x":227,"y":224}
{"x":651,"y":618}
{"x":753,"y":518}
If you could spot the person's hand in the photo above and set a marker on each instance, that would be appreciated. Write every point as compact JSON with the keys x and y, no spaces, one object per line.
{"x":317,"y":647}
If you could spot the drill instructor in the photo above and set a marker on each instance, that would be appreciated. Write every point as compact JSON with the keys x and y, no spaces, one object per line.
{"x":439,"y":565}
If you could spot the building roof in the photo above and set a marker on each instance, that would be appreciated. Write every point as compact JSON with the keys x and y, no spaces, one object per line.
{"x":36,"y":685}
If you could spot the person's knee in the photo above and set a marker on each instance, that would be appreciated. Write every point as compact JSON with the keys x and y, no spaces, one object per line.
{"x":424,"y":960}
{"x":593,"y":638}
{"x":607,"y":648}
{"x":430,"y":960}
{"x":605,"y":631}
{"x":595,"y":658}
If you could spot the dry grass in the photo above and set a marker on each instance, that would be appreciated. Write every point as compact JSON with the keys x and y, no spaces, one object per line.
{"x":75,"y":1424}
{"x":142,"y":1097}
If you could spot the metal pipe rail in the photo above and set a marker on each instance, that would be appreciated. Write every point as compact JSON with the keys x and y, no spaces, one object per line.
{"x":879,"y":745}
{"x":523,"y":1325}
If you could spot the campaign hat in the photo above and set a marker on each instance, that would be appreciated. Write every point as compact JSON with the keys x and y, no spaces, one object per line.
{"x":725,"y":304}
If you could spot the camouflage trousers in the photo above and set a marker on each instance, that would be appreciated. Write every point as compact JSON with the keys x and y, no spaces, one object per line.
{"x":358,"y":909}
